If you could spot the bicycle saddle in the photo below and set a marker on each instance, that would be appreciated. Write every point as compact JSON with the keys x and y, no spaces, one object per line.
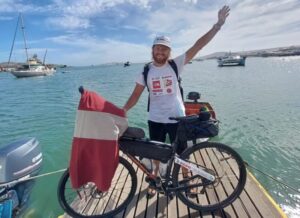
{"x":134,"y":132}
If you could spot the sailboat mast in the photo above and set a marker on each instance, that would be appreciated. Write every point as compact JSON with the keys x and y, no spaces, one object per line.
{"x":12,"y":46}
{"x":44,"y":57}
{"x":23,"y":31}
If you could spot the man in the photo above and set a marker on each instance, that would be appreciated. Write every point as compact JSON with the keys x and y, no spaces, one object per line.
{"x":163,"y":86}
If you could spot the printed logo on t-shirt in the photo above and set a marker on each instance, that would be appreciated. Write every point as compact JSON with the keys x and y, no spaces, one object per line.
{"x":163,"y":85}
{"x":156,"y":84}
{"x":168,"y":82}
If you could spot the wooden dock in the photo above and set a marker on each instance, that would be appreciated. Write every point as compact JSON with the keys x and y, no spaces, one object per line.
{"x":253,"y":202}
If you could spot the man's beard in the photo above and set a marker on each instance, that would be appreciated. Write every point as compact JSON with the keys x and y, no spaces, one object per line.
{"x":161,"y":60}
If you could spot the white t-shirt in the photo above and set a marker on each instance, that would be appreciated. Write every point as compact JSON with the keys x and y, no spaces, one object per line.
{"x":165,"y":96}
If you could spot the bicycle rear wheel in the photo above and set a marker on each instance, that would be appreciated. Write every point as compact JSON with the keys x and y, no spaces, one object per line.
{"x":87,"y":201}
{"x":219,"y":160}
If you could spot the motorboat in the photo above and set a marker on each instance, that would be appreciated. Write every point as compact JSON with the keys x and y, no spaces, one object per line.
{"x":20,"y":162}
{"x":231,"y":60}
{"x":126,"y":64}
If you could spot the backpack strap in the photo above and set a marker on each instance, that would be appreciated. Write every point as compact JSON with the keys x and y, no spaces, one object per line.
{"x":145,"y":74}
{"x":175,"y":69}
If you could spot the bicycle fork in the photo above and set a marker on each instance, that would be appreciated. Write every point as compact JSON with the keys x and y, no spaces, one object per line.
{"x":194,"y":169}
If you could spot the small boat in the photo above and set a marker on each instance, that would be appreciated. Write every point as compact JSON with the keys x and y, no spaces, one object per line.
{"x":33,"y":66}
{"x":126,"y":64}
{"x":20,"y":162}
{"x":194,"y":106}
{"x":231,"y":60}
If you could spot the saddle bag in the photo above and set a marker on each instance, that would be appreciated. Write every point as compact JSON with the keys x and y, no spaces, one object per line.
{"x":146,"y":149}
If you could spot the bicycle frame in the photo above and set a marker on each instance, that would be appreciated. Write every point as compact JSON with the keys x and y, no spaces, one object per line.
{"x":177,"y":160}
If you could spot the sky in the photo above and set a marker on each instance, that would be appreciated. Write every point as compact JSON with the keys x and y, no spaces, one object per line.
{"x":92,"y":32}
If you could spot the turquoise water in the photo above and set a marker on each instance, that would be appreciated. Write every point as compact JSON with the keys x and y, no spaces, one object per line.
{"x":258,"y":106}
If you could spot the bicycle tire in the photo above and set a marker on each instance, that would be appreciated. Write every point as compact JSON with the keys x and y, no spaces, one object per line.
{"x":96,"y":204}
{"x":226,"y":165}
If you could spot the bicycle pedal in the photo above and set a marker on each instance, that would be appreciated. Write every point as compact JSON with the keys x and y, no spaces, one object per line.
{"x":171,"y":196}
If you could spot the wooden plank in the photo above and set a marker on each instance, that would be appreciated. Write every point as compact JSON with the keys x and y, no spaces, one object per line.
{"x":202,"y":197}
{"x":182,"y":208}
{"x":209,"y":191}
{"x":248,"y":204}
{"x":141,"y":205}
{"x":193,"y":212}
{"x":151,"y":206}
{"x":221,"y":189}
{"x":265,"y":205}
{"x":231,"y":180}
{"x":162,"y":206}
{"x":130,"y":209}
{"x":172,"y":207}
{"x":85,"y":201}
{"x":115,"y":193}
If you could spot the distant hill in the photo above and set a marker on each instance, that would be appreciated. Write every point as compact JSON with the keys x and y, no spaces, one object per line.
{"x":271,"y":52}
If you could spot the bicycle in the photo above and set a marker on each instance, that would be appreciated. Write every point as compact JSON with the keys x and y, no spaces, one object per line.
{"x":217,"y":175}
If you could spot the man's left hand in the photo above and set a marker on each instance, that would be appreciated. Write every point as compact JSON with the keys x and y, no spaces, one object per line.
{"x":222,"y":15}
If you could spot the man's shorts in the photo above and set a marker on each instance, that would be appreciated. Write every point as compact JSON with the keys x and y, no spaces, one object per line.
{"x":159,"y":131}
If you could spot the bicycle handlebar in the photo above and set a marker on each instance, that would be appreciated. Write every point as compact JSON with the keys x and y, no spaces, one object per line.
{"x":81,"y":90}
{"x":190,"y":117}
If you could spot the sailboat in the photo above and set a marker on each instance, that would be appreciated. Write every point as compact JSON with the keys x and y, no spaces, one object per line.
{"x":33,"y":66}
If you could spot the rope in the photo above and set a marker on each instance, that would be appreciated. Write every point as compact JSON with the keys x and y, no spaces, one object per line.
{"x":273,"y":178}
{"x":62,"y":170}
{"x":30,"y":178}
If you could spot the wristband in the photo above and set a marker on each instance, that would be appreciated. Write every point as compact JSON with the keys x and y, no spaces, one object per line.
{"x":217,"y":26}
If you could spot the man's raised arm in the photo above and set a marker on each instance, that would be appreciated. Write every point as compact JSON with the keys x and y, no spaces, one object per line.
{"x":201,"y":42}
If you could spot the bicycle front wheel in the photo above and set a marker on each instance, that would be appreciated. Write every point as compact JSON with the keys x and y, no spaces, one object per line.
{"x":219,"y":160}
{"x":88,"y":201}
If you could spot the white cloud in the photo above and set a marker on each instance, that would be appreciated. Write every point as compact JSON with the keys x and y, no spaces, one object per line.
{"x":90,"y":50}
{"x":83,"y":11}
{"x":69,"y":22}
{"x":261,"y":25}
{"x":192,"y":1}
{"x":14,"y":6}
{"x":6,"y":18}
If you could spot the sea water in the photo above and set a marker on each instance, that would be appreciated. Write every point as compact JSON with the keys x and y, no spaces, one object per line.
{"x":258,"y":106}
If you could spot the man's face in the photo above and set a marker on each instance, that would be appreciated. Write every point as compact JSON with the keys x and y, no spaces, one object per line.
{"x":160,"y":54}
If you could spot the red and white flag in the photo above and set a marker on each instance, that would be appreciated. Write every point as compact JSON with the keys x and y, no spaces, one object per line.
{"x":95,"y":150}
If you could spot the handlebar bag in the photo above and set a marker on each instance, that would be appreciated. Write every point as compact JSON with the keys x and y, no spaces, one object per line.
{"x":197,"y":128}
